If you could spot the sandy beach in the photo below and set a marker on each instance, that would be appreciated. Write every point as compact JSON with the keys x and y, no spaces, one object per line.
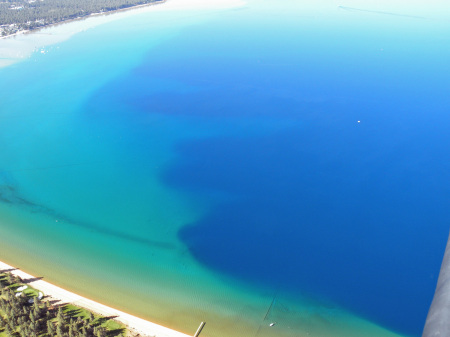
{"x":180,"y":163}
{"x":20,"y":46}
{"x":135,"y":323}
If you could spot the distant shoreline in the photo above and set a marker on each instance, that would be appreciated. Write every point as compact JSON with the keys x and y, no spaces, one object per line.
{"x":19,"y":46}
{"x":27,"y":31}
{"x":132,"y":322}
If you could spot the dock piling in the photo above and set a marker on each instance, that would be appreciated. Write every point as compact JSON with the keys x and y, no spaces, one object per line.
{"x":200,"y":328}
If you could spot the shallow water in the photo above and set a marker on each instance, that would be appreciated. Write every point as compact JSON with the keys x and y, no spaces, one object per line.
{"x":267,"y":163}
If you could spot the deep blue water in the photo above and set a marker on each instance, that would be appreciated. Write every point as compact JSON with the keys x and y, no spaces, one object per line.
{"x":327,"y":217}
{"x":306,"y":197}
{"x":316,"y":140}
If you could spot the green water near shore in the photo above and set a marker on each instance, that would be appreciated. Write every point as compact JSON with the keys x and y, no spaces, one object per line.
{"x":84,"y":206}
{"x":111,"y":274}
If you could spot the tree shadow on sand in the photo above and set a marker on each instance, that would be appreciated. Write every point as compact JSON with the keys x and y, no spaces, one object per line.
{"x":30,"y":280}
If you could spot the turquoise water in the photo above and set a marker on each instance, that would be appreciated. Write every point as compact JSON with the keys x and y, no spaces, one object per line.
{"x":209,"y":166}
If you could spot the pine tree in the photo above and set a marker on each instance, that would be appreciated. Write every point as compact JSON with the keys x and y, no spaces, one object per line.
{"x":60,"y":317}
{"x":36,"y":307}
{"x":59,"y":330}
{"x":11,"y":325}
{"x":84,"y":332}
{"x":9,"y":332}
{"x":32,"y":326}
{"x":50,"y":328}
{"x":71,"y":331}
{"x":10,"y":278}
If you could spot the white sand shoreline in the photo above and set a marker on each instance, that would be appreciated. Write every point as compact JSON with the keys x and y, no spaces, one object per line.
{"x":17,"y":47}
{"x":135,"y":323}
{"x":23,"y":32}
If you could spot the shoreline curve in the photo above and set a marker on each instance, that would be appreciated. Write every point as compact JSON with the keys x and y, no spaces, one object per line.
{"x":134,"y":323}
{"x":20,"y":46}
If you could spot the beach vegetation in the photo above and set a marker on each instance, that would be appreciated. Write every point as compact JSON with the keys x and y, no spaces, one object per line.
{"x":27,"y":313}
{"x":22,"y":15}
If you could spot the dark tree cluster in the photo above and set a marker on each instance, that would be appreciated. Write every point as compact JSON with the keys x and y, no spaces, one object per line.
{"x":20,"y":318}
{"x":18,"y":15}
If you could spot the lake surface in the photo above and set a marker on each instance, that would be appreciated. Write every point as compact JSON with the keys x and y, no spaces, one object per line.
{"x":275,"y":162}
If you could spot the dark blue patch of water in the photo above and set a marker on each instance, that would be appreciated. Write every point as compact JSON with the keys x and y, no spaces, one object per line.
{"x":337,"y":209}
{"x":306,"y":198}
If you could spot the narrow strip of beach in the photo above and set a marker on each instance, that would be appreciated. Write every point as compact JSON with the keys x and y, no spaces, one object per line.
{"x":156,"y":2}
{"x":20,"y":46}
{"x":17,"y":48}
{"x":134,"y":323}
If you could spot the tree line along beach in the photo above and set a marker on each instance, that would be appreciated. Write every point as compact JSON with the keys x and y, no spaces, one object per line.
{"x":137,"y":148}
{"x":27,"y":15}
{"x":32,"y":307}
